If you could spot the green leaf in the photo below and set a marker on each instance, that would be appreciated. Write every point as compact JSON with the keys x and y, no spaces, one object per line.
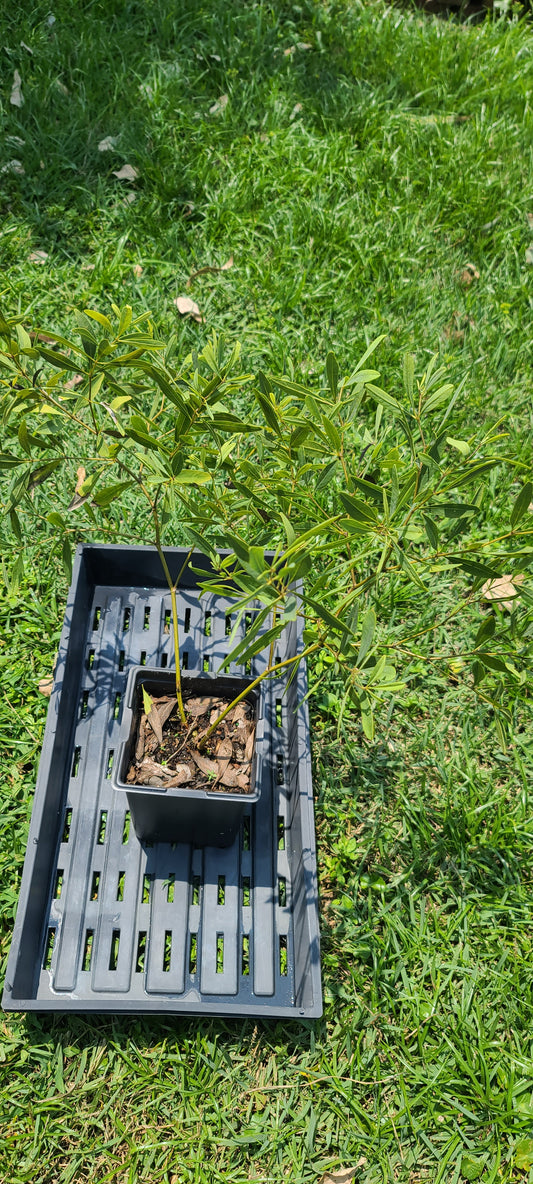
{"x":59,"y":360}
{"x":476,"y":470}
{"x":327,"y":617}
{"x":493,"y":662}
{"x":192,"y":477}
{"x":523,"y":1155}
{"x":289,"y":532}
{"x":367,"y":718}
{"x":408,"y":567}
{"x":332,"y":373}
{"x":459,"y":445}
{"x":471,"y":1167}
{"x":110,"y":493}
{"x":292,"y":388}
{"x":325,"y":477}
{"x":368,"y":488}
{"x":9,"y":462}
{"x":409,"y":375}
{"x":370,"y":350}
{"x":521,"y":504}
{"x":431,"y":531}
{"x":486,"y":630}
{"x":40,"y":474}
{"x":226,"y":422}
{"x":474,"y":568}
{"x":437,"y":398}
{"x":367,"y":634}
{"x":15,"y":575}
{"x":332,"y":433}
{"x":100,"y":318}
{"x":384,"y":399}
{"x":268,"y":412}
{"x":358,"y":510}
{"x":453,"y":509}
{"x":15,"y":524}
{"x":147,"y":701}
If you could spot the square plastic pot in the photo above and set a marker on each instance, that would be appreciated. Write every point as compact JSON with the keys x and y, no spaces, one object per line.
{"x":179,"y":814}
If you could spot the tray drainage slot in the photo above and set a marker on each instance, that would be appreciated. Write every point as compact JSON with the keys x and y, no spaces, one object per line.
{"x":95,"y":886}
{"x":167,"y":952}
{"x":283,"y":956}
{"x":67,"y":825}
{"x":120,"y":885}
{"x":221,"y":890}
{"x":58,"y":883}
{"x":126,"y":827}
{"x":220,"y":953}
{"x":113,"y":953}
{"x":141,"y":952}
{"x":193,"y":953}
{"x":245,"y":961}
{"x":87,"y":950}
{"x":102,"y":828}
{"x":49,"y":948}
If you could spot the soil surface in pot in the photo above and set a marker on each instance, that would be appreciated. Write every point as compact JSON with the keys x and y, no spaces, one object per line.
{"x":169,"y":755}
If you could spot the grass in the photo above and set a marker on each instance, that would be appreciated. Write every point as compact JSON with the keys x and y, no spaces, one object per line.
{"x":352,"y":181}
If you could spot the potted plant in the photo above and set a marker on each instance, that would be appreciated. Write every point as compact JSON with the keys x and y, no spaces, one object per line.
{"x":350,"y":489}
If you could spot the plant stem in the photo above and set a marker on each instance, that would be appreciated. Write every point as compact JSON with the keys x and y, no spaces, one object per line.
{"x":266,"y":673}
{"x":179,"y":695}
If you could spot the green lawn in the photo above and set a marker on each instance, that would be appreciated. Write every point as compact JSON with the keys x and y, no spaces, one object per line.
{"x":370,"y":172}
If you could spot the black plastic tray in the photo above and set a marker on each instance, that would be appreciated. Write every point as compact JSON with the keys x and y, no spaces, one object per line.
{"x":106,"y":923}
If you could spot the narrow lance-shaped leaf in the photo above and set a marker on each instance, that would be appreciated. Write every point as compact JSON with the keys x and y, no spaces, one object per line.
{"x":367,"y":634}
{"x":521,"y":504}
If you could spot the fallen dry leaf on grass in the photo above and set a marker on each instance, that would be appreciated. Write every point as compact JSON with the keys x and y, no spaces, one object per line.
{"x":137,"y":271}
{"x":203,"y":270}
{"x":108,"y":144}
{"x":296,"y":110}
{"x":129,"y":198}
{"x":16,"y":97}
{"x":468,"y":274}
{"x":529,"y":255}
{"x":343,"y":1176}
{"x":88,"y":266}
{"x":45,"y":686}
{"x":220,"y":104}
{"x":13,"y":166}
{"x":73,"y":382}
{"x":126,"y":173}
{"x":503,"y":591}
{"x":38,"y":256}
{"x":188,"y":308}
{"x":81,"y":475}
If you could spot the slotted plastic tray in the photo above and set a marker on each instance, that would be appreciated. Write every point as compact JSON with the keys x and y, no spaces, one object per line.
{"x":106,"y":923}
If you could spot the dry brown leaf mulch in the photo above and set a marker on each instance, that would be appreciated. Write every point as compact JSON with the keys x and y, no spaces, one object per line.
{"x":167,"y":755}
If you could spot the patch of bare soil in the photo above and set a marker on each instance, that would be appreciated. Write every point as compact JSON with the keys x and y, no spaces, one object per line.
{"x":169,"y":755}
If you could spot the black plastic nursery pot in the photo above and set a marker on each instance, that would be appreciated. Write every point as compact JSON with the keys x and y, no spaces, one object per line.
{"x":180,"y":814}
{"x":111,"y":922}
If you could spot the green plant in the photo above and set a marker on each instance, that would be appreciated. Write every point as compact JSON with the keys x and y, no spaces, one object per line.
{"x":350,"y":513}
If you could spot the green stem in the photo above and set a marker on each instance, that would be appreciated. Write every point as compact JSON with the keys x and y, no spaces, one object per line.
{"x":266,"y":673}
{"x":179,"y":695}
